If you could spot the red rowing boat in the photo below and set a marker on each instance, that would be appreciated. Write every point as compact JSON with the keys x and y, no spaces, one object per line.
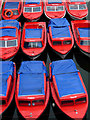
{"x":32,"y":90}
{"x":68,"y":90}
{"x":33,"y":9}
{"x":12,"y":9}
{"x":77,"y":9}
{"x":54,"y":9}
{"x":81,"y":30}
{"x":34,"y":39}
{"x":9,"y":38}
{"x":7,"y":84}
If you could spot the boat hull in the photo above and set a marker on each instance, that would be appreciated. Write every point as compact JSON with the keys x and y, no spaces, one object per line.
{"x":58,"y":55}
{"x":38,"y":112}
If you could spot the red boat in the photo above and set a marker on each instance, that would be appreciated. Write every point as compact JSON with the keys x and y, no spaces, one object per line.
{"x":77,"y":9}
{"x":81,"y":30}
{"x":12,"y":9}
{"x":9,"y":38}
{"x":54,"y":9}
{"x":32,"y":90}
{"x":33,"y":9}
{"x":68,"y":90}
{"x":60,"y":37}
{"x":7,"y":84}
{"x":34,"y":39}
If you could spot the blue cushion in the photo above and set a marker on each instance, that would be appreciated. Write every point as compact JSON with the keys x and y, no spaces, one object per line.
{"x":33,"y":33}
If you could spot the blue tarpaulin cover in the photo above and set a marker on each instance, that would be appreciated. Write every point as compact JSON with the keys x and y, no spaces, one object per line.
{"x":33,"y":33}
{"x":6,"y":69}
{"x":60,"y":32}
{"x":67,"y":79}
{"x":11,"y":5}
{"x":84,"y":32}
{"x":54,"y":1}
{"x":31,"y":78}
{"x":8,"y":32}
{"x":59,"y":28}
{"x":77,"y":0}
{"x":32,"y":2}
{"x":13,"y":23}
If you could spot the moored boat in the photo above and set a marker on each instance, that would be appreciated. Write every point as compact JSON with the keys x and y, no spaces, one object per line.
{"x":10,"y":33}
{"x":60,"y":37}
{"x":68,"y":90}
{"x":54,"y":9}
{"x":33,"y":9}
{"x":12,"y":9}
{"x":32,"y":90}
{"x":33,"y":41}
{"x":81,"y":31}
{"x":77,"y":9}
{"x":7,"y":84}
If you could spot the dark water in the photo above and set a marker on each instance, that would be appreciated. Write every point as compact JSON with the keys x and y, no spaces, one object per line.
{"x":82,"y":63}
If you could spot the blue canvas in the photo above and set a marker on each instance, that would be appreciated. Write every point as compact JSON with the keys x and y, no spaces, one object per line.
{"x":67,"y":78}
{"x":11,"y":5}
{"x":33,"y":33}
{"x":32,"y":2}
{"x":84,"y":32}
{"x":6,"y":69}
{"x":31,"y":78}
{"x":6,"y":23}
{"x":8,"y":32}
{"x":60,"y":32}
{"x":54,"y":1}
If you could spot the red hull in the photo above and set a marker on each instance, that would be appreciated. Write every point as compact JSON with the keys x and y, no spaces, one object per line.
{"x":76,"y":13}
{"x":34,"y":15}
{"x":81,"y":24}
{"x":10,"y":92}
{"x":54,"y":14}
{"x":33,"y":52}
{"x":12,"y":16}
{"x":72,"y":111}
